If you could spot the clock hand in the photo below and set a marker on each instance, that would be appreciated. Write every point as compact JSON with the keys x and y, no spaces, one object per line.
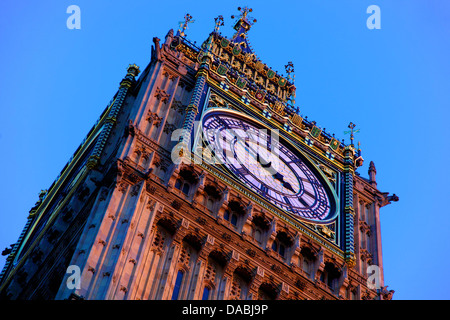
{"x":288,"y":186}
{"x":278,"y":176}
{"x":266,"y":165}
{"x":263,"y":163}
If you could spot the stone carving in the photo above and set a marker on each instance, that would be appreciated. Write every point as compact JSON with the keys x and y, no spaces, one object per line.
{"x":169,"y":128}
{"x":178,"y":106}
{"x":154,"y":119}
{"x":162,"y":95}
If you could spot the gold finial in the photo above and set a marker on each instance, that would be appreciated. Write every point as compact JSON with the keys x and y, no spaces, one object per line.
{"x":244,"y":11}
{"x":42,"y":194}
{"x":184,"y":24}
{"x":291,"y":77}
{"x":244,"y":20}
{"x":133,"y":69}
{"x":219,"y":23}
{"x":290,"y":71}
{"x":351,"y":126}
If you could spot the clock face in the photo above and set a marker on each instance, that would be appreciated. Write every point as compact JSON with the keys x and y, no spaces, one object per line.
{"x":268,"y":166}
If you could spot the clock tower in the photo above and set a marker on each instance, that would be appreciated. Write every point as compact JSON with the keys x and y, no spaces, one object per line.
{"x":202,"y":180}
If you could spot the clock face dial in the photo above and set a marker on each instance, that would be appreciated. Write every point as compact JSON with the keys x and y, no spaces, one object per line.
{"x":268,"y":166}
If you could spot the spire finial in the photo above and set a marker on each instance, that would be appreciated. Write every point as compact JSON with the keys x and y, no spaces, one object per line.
{"x":291,"y":77}
{"x":184,"y":24}
{"x":219,"y":23}
{"x":133,"y":70}
{"x":351,"y":126}
{"x":244,"y":22}
{"x":372,"y":174}
{"x":290,"y":71}
{"x":207,"y":45}
{"x":359,"y":149}
{"x":244,"y":11}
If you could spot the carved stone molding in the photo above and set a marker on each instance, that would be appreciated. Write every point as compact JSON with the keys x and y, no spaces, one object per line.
{"x":160,"y":162}
{"x":154,"y":119}
{"x":169,"y":128}
{"x":366,"y":255}
{"x":162,"y":95}
{"x":178,"y":106}
{"x":364,"y":227}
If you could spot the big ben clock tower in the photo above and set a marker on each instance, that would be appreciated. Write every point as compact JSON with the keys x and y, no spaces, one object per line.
{"x":202,"y":180}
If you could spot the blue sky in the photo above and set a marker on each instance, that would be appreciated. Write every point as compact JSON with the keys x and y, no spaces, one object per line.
{"x":393,"y":83}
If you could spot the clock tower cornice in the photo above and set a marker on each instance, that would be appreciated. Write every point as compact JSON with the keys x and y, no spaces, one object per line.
{"x":306,"y":228}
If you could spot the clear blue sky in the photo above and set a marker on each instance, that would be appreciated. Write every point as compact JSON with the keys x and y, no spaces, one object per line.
{"x":393,"y":83}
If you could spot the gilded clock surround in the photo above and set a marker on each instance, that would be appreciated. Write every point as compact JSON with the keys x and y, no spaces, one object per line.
{"x":262,"y":125}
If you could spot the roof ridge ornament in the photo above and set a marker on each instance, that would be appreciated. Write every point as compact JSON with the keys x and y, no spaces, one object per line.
{"x":290,"y":78}
{"x":249,"y":21}
{"x":184,"y":24}
{"x":219,"y":23}
{"x":351,"y":126}
{"x":207,"y":45}
{"x":290,"y":71}
{"x":242,"y":25}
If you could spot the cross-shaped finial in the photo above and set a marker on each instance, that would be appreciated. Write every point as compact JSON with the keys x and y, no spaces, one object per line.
{"x":244,"y":11}
{"x":351,"y":126}
{"x":290,"y":71}
{"x":184,"y":24}
{"x":291,"y":77}
{"x":208,"y":44}
{"x":219,"y":23}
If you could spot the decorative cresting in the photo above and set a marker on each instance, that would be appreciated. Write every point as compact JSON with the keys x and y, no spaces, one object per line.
{"x":125,"y":84}
{"x":14,"y":247}
{"x":236,"y":70}
{"x":291,"y":78}
{"x":349,"y":211}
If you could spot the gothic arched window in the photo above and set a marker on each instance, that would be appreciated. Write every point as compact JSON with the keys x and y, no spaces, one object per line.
{"x":186,"y":188}
{"x":234,"y":213}
{"x":187,"y":178}
{"x":307,"y":261}
{"x":178,"y":184}
{"x":212,"y":196}
{"x":206,"y":292}
{"x":258,"y":235}
{"x":259,"y":227}
{"x":267,"y":291}
{"x":183,"y":186}
{"x":177,"y":287}
{"x":281,"y":244}
{"x":330,"y":276}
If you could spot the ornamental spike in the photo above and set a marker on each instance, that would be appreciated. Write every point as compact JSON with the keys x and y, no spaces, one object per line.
{"x":184,"y":24}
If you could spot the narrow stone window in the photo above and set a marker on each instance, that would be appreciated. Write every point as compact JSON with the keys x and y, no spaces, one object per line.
{"x":177,"y":287}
